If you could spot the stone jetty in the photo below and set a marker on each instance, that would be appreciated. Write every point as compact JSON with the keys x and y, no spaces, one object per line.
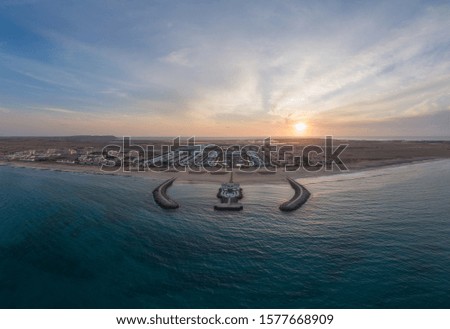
{"x":301,"y":195}
{"x":161,"y":197}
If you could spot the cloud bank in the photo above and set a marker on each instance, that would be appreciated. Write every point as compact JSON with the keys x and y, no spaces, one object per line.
{"x":224,"y":68}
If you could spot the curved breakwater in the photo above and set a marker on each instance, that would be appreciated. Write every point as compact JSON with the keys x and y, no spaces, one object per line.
{"x":161,"y":197}
{"x":300,"y":197}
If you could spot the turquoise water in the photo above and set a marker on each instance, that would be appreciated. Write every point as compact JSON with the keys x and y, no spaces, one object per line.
{"x":374,"y":239}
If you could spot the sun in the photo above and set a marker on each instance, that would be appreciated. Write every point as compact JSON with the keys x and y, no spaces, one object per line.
{"x":300,"y":127}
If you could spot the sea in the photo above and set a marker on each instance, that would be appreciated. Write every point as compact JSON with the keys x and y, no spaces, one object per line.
{"x":372,"y":239}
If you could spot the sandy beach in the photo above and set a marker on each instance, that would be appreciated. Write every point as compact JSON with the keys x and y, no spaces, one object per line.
{"x":258,"y":177}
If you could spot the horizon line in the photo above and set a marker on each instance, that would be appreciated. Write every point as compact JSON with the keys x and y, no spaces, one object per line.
{"x":354,"y":137}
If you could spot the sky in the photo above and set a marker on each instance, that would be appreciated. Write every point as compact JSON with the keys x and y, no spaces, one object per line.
{"x":224,"y":68}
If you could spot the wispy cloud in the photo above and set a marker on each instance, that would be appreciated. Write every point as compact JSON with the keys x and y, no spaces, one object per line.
{"x":55,"y":110}
{"x":178,"y":57}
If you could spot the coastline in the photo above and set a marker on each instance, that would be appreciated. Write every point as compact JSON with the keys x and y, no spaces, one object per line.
{"x":257,"y":177}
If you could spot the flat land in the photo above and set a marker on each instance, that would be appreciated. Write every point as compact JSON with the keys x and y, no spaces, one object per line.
{"x":359,"y":155}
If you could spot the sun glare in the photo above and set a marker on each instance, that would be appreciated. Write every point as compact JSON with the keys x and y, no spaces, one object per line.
{"x":300,"y":127}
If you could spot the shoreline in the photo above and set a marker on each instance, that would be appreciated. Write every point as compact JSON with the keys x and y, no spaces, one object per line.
{"x":279,"y":177}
